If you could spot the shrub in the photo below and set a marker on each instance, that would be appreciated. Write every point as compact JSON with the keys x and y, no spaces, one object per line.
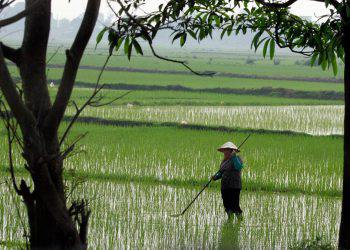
{"x":276,"y":61}
{"x":250,"y":60}
{"x":303,"y":62}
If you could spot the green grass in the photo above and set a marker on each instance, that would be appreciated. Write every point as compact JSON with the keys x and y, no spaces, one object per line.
{"x":197,"y":82}
{"x":191,"y":81}
{"x":220,"y":62}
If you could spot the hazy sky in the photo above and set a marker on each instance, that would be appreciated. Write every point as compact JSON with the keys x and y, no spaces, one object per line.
{"x":74,"y":8}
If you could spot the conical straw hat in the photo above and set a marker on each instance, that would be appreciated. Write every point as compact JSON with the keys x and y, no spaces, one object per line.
{"x":229,"y":145}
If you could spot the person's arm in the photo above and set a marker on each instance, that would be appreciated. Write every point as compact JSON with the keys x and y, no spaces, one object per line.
{"x":237,"y":162}
{"x":217,"y":176}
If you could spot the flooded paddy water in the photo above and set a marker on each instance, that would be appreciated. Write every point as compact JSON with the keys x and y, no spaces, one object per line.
{"x":133,"y":216}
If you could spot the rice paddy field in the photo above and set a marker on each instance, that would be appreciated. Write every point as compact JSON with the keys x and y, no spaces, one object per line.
{"x":148,"y":154}
{"x":220,"y":61}
{"x":315,"y":120}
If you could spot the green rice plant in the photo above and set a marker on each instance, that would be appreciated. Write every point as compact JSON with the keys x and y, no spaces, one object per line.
{"x":275,"y":162}
{"x":134,"y":215}
{"x":183,"y":156}
{"x":317,"y":244}
{"x":315,"y":120}
{"x":184,"y":98}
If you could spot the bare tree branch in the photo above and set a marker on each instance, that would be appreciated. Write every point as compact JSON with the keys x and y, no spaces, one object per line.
{"x":276,"y":36}
{"x":20,"y":15}
{"x":74,"y":56}
{"x":65,"y":153}
{"x":91,"y":101}
{"x":4,"y":114}
{"x":5,"y":3}
{"x":289,"y":3}
{"x":22,"y":114}
{"x":277,"y":4}
{"x":11,"y":54}
{"x":54,"y":54}
{"x":179,"y":62}
{"x":96,"y":104}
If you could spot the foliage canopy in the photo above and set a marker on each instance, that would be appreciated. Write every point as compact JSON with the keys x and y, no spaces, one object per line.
{"x":272,"y":23}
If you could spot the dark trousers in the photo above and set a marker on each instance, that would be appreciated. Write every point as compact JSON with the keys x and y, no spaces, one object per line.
{"x":230,"y":197}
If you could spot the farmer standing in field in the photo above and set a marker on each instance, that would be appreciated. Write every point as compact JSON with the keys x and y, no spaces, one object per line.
{"x":231,"y":183}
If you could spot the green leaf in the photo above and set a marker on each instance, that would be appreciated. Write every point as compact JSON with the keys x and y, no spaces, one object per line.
{"x":202,"y":34}
{"x":223,"y":33}
{"x":348,"y":11}
{"x":119,"y":43}
{"x":324,"y":64}
{"x":335,"y":66}
{"x":177,"y":36}
{"x":272,"y":48}
{"x":326,"y":2}
{"x":129,"y":51}
{"x":229,"y":31}
{"x":192,"y":34}
{"x":137,"y":47}
{"x":313,"y":58}
{"x":217,"y":21}
{"x":205,"y":17}
{"x":255,"y":40}
{"x":266,"y":45}
{"x":238,"y":29}
{"x":126,"y":45}
{"x":183,"y":39}
{"x":244,"y":30}
{"x":321,"y":58}
{"x":100,"y":35}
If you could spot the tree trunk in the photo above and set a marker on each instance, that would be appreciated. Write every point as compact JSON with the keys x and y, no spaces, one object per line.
{"x":51,"y":226}
{"x":51,"y":223}
{"x":344,"y":233}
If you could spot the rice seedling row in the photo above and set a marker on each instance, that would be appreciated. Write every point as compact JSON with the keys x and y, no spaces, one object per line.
{"x":183,"y":98}
{"x":315,"y":120}
{"x":301,"y":164}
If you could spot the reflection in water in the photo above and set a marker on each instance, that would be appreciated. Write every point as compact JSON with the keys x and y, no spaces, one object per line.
{"x":133,"y":216}
{"x":230,"y":231}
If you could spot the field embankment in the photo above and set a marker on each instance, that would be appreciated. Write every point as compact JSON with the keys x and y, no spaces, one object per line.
{"x":265,"y":91}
